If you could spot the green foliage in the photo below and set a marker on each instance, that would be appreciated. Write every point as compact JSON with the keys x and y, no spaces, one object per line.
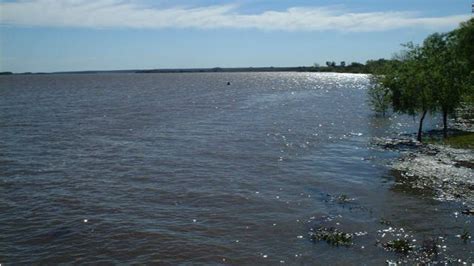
{"x":448,"y":72}
{"x":380,"y":97}
{"x":372,"y":66}
{"x":376,"y":66}
{"x":434,"y":77}
{"x":464,"y":37}
{"x":331,"y":64}
{"x":408,"y":81}
{"x":465,"y":41}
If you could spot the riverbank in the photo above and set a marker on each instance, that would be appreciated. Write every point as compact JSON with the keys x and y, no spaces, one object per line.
{"x":445,"y":171}
{"x":440,"y":168}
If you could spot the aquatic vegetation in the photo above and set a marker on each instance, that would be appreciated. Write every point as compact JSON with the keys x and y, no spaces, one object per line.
{"x":465,"y":236}
{"x":429,"y":248}
{"x":343,"y":198}
{"x":332,"y":236}
{"x":432,"y":250}
{"x":340,"y":199}
{"x":399,"y":245}
{"x":385,"y":221}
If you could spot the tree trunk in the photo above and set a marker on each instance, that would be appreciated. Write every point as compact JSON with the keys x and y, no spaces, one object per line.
{"x":445,"y":124}
{"x":420,"y":128}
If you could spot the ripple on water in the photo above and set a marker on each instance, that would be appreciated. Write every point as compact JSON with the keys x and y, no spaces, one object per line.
{"x":176,"y":168}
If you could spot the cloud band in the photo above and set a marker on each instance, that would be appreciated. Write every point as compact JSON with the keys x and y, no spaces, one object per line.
{"x":130,"y":14}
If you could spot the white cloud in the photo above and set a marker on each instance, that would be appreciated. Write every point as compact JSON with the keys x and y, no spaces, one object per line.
{"x":130,"y":14}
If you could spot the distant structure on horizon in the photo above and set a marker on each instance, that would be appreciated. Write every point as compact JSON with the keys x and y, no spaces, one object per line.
{"x":472,"y":6}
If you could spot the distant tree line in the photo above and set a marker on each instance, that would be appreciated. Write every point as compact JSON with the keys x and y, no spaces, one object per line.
{"x":343,"y":67}
{"x":434,"y":77}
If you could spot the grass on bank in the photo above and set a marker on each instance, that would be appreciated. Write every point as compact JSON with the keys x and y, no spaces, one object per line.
{"x":461,"y":141}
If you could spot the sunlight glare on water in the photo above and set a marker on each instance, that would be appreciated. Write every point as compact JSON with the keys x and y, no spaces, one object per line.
{"x":172,"y":168}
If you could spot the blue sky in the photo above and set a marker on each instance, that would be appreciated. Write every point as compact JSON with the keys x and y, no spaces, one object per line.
{"x":70,"y":35}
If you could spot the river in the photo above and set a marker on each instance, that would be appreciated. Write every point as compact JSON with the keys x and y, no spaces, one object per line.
{"x":184,"y":168}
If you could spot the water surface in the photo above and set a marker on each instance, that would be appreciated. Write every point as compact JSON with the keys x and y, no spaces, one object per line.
{"x":176,"y":168}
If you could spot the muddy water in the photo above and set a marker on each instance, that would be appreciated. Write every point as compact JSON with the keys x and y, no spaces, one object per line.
{"x":176,"y":168}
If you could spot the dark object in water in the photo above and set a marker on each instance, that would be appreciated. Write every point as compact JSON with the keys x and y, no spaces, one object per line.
{"x":343,"y":198}
{"x":228,"y":83}
{"x":399,"y":245}
{"x":465,"y":236}
{"x":52,"y":235}
{"x":468,"y":212}
{"x":332,"y":236}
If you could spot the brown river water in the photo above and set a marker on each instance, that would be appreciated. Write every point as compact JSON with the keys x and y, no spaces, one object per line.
{"x":185,"y":169}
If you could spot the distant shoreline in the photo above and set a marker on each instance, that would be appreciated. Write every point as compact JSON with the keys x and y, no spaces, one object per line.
{"x":337,"y":69}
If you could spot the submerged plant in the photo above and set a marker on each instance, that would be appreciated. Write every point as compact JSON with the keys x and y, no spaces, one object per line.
{"x":399,"y":245}
{"x":465,"y":236}
{"x":343,"y":198}
{"x":332,"y":236}
{"x":385,"y":221}
{"x":429,"y":248}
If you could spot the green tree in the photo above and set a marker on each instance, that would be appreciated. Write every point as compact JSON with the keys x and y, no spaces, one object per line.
{"x":380,"y":97}
{"x":374,"y":66}
{"x":465,"y":42}
{"x":464,"y":46}
{"x":437,"y":76}
{"x":408,"y":80}
{"x":446,"y":72}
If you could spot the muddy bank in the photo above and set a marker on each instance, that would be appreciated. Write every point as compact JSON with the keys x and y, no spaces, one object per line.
{"x":445,"y":171}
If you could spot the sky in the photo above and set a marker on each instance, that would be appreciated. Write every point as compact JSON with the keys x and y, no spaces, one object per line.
{"x":75,"y":35}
